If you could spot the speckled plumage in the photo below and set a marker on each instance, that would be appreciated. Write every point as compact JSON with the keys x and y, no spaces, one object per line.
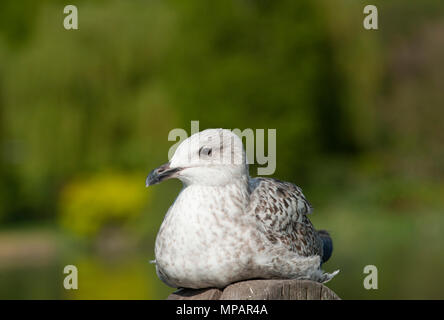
{"x":225,"y":226}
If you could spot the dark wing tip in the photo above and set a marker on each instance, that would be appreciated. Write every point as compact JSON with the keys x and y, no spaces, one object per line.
{"x":327,"y":244}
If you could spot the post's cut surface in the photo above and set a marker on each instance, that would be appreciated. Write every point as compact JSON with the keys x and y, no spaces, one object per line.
{"x":261,"y":290}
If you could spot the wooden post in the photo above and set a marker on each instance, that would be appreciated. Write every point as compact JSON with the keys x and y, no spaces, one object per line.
{"x":260,"y":290}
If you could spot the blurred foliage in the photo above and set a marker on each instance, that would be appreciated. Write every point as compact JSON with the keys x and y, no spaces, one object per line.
{"x":85,"y":115}
{"x":107,"y":98}
{"x":103,"y":201}
{"x":101,"y":279}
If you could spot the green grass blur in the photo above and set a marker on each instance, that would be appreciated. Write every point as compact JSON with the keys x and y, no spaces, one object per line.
{"x":85,"y":115}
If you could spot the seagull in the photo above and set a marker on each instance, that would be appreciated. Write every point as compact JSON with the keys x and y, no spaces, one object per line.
{"x":225,"y":226}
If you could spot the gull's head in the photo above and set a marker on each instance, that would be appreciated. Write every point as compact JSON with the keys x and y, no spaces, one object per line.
{"x":209,"y":157}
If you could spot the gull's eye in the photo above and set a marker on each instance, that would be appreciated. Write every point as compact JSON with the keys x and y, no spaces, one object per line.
{"x":205,"y":151}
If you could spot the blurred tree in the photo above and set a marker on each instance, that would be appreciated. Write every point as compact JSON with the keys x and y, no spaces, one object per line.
{"x":106,"y":95}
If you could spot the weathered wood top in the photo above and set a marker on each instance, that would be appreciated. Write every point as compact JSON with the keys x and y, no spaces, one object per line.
{"x":260,"y":290}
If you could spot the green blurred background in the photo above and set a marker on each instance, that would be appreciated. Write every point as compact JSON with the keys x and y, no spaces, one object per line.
{"x":85,"y":115}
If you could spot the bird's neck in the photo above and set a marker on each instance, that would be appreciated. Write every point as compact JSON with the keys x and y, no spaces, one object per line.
{"x":219,"y":195}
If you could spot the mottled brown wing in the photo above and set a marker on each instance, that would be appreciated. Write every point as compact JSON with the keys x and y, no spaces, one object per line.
{"x":281,"y":209}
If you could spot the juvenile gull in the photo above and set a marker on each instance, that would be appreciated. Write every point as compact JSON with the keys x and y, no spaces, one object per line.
{"x":225,"y":226}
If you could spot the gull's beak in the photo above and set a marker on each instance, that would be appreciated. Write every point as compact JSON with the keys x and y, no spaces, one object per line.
{"x":164,"y":172}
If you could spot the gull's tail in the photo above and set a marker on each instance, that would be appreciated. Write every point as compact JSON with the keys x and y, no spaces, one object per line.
{"x":327,"y":244}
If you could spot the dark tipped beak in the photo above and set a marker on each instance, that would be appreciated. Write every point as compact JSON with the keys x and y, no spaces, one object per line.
{"x":164,"y":172}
